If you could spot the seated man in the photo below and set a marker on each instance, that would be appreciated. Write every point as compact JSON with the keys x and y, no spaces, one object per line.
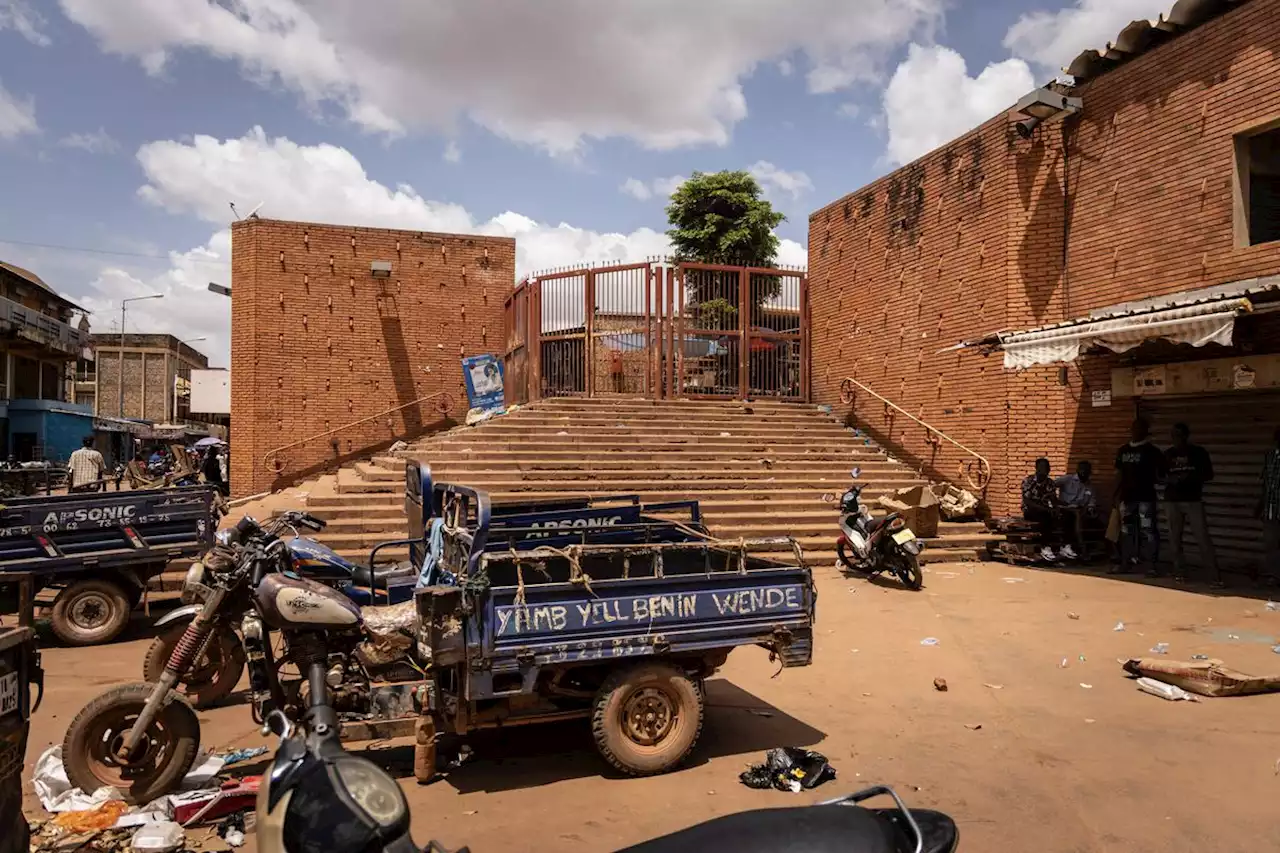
{"x":1079,"y":502}
{"x":1041,"y":504}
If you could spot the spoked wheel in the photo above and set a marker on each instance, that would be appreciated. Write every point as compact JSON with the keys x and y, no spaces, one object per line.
{"x":843,"y":559}
{"x":211,"y":677}
{"x":647,"y":718}
{"x":90,"y":750}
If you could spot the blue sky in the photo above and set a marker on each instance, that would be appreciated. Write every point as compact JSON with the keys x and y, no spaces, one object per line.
{"x":127,"y":126}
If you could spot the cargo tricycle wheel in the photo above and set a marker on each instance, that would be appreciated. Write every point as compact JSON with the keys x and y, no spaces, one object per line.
{"x":168,"y":749}
{"x":89,"y":612}
{"x":647,"y":718}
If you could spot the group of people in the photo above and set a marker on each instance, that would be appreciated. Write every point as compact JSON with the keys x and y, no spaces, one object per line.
{"x":87,"y":470}
{"x":1064,"y":506}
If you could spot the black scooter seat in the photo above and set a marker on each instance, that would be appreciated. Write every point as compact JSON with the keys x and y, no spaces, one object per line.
{"x":364,"y":576}
{"x":811,"y":829}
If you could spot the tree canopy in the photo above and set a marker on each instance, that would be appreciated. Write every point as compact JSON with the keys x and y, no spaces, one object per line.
{"x":721,"y":218}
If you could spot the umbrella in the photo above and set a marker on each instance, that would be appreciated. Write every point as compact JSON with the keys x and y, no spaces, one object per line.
{"x":209,"y":441}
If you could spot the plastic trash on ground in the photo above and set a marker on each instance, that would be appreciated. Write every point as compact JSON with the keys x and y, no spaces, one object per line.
{"x":789,"y":769}
{"x":99,"y":817}
{"x":1165,"y":691}
{"x":238,"y":755}
{"x":163,"y":837}
{"x":1206,"y":677}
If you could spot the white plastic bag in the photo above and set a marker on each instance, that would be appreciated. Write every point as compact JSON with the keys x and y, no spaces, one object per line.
{"x":1165,"y":691}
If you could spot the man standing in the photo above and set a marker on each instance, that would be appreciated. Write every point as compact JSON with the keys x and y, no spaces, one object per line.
{"x":1139,"y":466}
{"x":1187,"y":468}
{"x":86,"y":468}
{"x":1040,"y":504}
{"x":1268,"y":510}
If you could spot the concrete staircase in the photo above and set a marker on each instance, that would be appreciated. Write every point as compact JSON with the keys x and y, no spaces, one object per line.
{"x":758,"y":469}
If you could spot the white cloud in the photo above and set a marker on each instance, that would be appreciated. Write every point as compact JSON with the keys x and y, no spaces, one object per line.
{"x":848,"y":110}
{"x":931,"y":99}
{"x":1051,"y":40}
{"x":774,"y":180}
{"x":94,"y":142}
{"x":17,"y":15}
{"x":17,"y":115}
{"x":662,"y":187}
{"x":600,"y":69}
{"x":326,"y":183}
{"x":452,"y":153}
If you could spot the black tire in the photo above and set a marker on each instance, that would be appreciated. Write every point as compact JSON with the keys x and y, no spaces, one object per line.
{"x":655,"y":696}
{"x":211,"y":679}
{"x":90,"y":612}
{"x":842,"y":556}
{"x":907,"y":568}
{"x":167,"y":752}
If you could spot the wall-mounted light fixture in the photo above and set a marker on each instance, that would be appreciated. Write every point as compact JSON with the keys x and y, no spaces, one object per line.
{"x":1040,"y":106}
{"x":380,"y":269}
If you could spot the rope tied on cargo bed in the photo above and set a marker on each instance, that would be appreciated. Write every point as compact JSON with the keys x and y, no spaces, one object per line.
{"x":572,"y":554}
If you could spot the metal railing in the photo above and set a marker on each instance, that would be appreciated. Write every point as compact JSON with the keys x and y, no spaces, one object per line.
{"x":277,"y":464}
{"x":976,"y":475}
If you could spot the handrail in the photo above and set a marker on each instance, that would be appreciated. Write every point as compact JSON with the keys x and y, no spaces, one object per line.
{"x":983,"y":467}
{"x":278,"y":465}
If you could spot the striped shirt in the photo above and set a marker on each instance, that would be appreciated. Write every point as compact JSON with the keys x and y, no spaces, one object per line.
{"x":85,"y":466}
{"x":1271,"y":485}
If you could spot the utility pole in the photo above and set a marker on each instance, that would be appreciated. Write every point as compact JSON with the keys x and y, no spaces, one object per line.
{"x":124,"y":305}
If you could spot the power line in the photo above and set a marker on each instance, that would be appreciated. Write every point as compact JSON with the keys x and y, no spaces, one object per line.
{"x":92,"y":251}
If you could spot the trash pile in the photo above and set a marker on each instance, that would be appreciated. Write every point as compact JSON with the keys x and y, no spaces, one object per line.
{"x":789,"y":768}
{"x":1201,"y":677}
{"x":101,"y":821}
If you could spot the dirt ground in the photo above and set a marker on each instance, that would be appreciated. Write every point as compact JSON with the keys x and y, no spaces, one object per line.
{"x":1065,"y":759}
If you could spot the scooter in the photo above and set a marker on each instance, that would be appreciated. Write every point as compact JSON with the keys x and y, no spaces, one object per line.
{"x":876,"y":545}
{"x":317,"y":797}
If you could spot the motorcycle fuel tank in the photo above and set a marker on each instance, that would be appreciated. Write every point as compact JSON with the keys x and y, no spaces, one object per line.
{"x":319,"y":561}
{"x":286,"y":602}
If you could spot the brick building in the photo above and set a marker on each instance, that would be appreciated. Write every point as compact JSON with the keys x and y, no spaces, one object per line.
{"x":156,"y":370}
{"x":341,"y":336}
{"x":1162,"y":188}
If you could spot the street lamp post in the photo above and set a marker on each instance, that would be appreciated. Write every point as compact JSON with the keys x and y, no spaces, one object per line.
{"x":173,"y":391}
{"x":124,"y":306}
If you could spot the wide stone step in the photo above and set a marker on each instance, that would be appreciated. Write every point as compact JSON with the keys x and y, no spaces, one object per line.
{"x":478,"y":453}
{"x":695,"y":427}
{"x":605,"y":420}
{"x":870,"y":467}
{"x":831,"y":485}
{"x":374,"y":500}
{"x":636,"y":472}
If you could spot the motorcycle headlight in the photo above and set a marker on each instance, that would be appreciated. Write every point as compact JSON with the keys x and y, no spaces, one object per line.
{"x":193,"y":588}
{"x":376,"y":793}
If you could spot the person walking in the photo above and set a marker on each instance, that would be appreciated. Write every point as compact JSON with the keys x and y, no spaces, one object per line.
{"x":1268,"y":511}
{"x":1187,"y":469}
{"x":86,"y":468}
{"x":1139,"y":466}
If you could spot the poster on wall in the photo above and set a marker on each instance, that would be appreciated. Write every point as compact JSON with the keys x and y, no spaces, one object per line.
{"x":484,"y":383}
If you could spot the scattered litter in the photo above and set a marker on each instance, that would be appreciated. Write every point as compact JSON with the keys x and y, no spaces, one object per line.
{"x":1073,"y":615}
{"x":1080,"y":658}
{"x":929,"y":641}
{"x":473,"y":811}
{"x":767,"y":463}
{"x":825,"y":409}
{"x":1090,"y":720}
{"x":827,"y":497}
{"x":1063,"y":664}
{"x":162,"y":837}
{"x":853,"y":651}
{"x":1165,"y":691}
{"x":789,"y":769}
{"x":759,"y":713}
{"x":563,"y":432}
{"x":1273,"y":606}
{"x":1249,"y":614}
{"x":1086,"y":686}
{"x":88,"y":820}
{"x":1276,"y":649}
{"x":973,"y":727}
{"x":464,"y":755}
{"x":1207,"y":678}
{"x":49,"y":779}
{"x":994,"y":686}
{"x":945,"y":574}
{"x":1233,"y":636}
{"x":940,"y":684}
{"x":1119,"y":627}
{"x":234,"y":837}
{"x":1160,"y":649}
{"x":238,"y":755}
{"x":1014,"y":580}
{"x":725,"y":435}
{"x":853,"y":589}
{"x":399,"y":445}
{"x":1199,"y":657}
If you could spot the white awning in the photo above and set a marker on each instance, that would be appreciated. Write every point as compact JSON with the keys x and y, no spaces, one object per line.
{"x":1211,"y":321}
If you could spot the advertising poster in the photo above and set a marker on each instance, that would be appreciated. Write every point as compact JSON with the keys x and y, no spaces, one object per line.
{"x":484,"y":382}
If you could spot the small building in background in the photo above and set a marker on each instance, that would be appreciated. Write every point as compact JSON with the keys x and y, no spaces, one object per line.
{"x":39,"y":344}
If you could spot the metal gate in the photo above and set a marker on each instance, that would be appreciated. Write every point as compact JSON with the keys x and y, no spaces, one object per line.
{"x":658,"y":330}
{"x":1237,"y":431}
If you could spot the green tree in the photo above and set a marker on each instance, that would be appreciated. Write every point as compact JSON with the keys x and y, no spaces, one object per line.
{"x":721,"y":218}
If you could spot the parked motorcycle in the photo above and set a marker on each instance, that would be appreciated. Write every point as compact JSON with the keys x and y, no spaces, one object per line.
{"x":316,"y":796}
{"x":217,"y":668}
{"x":142,"y":738}
{"x":875,"y":545}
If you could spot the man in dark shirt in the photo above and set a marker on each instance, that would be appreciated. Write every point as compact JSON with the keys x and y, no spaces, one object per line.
{"x":1187,"y":469}
{"x":1139,"y":466}
{"x":1041,"y":504}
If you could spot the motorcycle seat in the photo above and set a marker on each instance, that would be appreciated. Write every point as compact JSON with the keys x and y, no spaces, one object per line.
{"x":811,"y":829}
{"x":365,"y":576}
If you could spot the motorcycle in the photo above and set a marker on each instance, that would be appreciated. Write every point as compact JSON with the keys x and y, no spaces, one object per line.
{"x":876,"y":545}
{"x":318,"y":797}
{"x":216,"y":670}
{"x":142,"y":738}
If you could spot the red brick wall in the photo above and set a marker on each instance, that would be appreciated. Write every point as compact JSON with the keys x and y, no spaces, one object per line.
{"x":318,"y":343}
{"x":970,"y":239}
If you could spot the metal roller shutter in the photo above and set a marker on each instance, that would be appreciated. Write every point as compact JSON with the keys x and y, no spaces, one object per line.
{"x":1237,"y":431}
